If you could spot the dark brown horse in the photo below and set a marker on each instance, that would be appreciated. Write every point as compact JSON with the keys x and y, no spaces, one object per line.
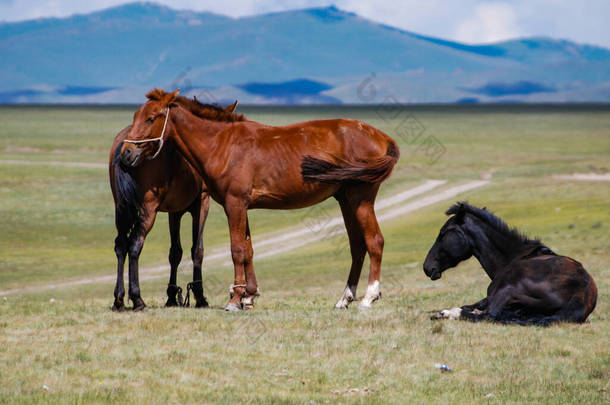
{"x":248,"y":165}
{"x":168,"y":184}
{"x":530,"y":284}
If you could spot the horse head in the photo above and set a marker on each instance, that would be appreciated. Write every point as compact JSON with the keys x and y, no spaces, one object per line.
{"x":452,"y":244}
{"x":150,"y":128}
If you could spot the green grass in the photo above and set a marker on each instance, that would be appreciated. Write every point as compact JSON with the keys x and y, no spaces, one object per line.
{"x":57,"y":224}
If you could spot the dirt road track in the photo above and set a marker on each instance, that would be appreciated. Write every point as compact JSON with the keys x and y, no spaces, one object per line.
{"x":280,"y":241}
{"x":47,"y":163}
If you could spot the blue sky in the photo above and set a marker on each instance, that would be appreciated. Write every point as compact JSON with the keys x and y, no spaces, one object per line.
{"x":471,"y":21}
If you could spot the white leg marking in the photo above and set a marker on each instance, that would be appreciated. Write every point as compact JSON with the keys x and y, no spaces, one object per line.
{"x":349,"y":295}
{"x":248,"y":302}
{"x":372,"y":294}
{"x":453,"y":313}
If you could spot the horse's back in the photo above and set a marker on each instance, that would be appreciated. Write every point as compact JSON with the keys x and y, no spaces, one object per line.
{"x":337,"y":136}
{"x":269,"y":164}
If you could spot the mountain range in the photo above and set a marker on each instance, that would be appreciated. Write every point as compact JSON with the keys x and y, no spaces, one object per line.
{"x":318,"y":55}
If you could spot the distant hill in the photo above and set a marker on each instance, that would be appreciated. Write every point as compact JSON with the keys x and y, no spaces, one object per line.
{"x":320,"y":55}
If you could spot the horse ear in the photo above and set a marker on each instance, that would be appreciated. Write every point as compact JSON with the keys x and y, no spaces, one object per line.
{"x":459,"y":210}
{"x":172,"y":96}
{"x":169,"y":98}
{"x":459,"y":217}
{"x":455,"y":208}
{"x":231,"y":108}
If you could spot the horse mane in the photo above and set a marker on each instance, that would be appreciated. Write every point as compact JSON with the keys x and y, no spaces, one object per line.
{"x":212,"y":112}
{"x":156,"y":94}
{"x":462,"y":207}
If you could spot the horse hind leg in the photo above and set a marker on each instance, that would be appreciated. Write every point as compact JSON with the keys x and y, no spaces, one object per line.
{"x":200,"y":213}
{"x":572,"y":311}
{"x":136,"y":242}
{"x":361,"y":199}
{"x":120,"y":248}
{"x":175,"y":256}
{"x":357,"y":249}
{"x":514,"y":304}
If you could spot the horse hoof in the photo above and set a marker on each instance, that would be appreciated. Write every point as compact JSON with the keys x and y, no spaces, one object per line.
{"x":247,"y":302}
{"x":138,"y":305}
{"x":118,"y":307}
{"x":203,"y":303}
{"x":344,"y":302}
{"x":367,"y":303}
{"x":171,"y":303}
{"x":453,"y":313}
{"x":341,"y":305}
{"x":231,"y":306}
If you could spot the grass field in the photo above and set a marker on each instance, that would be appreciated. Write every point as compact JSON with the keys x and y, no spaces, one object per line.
{"x":64,"y":345}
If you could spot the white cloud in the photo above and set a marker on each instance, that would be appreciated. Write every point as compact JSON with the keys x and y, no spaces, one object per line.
{"x":490,"y":22}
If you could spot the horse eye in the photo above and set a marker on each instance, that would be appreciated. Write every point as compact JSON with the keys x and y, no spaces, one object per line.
{"x":150,"y":119}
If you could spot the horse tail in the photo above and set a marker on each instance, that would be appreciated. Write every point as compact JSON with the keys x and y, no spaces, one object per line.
{"x":128,"y":200}
{"x":373,"y":171}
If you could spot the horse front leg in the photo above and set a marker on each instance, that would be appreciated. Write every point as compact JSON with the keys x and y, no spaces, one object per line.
{"x":453,"y":313}
{"x":175,"y":256}
{"x":236,"y":211}
{"x":474,"y":310}
{"x":251,"y":284}
{"x":136,"y":243}
{"x":200,"y":213}
{"x":478,"y":306}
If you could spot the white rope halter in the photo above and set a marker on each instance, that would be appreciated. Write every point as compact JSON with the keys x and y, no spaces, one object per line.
{"x":154,"y":139}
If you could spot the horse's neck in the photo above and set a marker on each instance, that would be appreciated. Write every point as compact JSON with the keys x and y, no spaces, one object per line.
{"x":492,"y":249}
{"x":196,"y":138}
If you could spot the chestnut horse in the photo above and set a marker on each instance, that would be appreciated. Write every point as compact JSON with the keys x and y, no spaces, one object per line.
{"x":530,"y":284}
{"x":168,"y":184}
{"x":248,"y":165}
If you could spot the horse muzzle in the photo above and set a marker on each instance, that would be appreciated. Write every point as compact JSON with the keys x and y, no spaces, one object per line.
{"x":433,"y":272}
{"x":130,"y":155}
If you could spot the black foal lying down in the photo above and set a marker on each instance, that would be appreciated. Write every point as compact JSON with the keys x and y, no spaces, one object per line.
{"x":530,"y":284}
